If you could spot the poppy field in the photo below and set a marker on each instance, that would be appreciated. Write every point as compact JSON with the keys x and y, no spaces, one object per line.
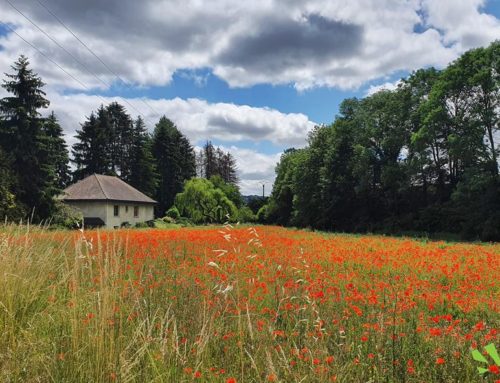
{"x":243,"y":304}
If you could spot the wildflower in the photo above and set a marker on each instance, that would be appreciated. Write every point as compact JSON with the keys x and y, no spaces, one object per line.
{"x":440,"y":361}
{"x":494,"y":369}
{"x":329,"y":359}
{"x":231,"y":380}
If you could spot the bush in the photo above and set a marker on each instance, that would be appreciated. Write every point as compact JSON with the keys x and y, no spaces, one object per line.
{"x":245,"y":214}
{"x":167,"y":219}
{"x":66,"y":216}
{"x":262,"y":214}
{"x":186,"y":222}
{"x":141,"y":225}
{"x":173,"y":212}
{"x":203,"y":203}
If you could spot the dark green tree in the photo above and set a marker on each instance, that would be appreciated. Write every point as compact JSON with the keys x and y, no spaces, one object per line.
{"x":24,"y":140}
{"x":175,"y":162}
{"x":56,"y":151}
{"x":90,"y":152}
{"x":142,"y":169}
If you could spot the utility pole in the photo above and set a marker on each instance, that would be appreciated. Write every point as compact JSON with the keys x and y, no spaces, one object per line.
{"x":263,"y":191}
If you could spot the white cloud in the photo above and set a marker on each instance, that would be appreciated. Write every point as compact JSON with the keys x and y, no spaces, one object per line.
{"x":385,"y":86}
{"x":254,"y":169}
{"x":340,"y":43}
{"x":198,"y":119}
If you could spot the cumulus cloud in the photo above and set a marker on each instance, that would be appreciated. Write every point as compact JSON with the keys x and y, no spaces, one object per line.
{"x":289,"y":43}
{"x":254,"y":169}
{"x":385,"y":86}
{"x":306,"y":43}
{"x":198,"y":119}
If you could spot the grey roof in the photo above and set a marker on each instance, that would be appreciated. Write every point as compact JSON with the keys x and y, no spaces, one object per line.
{"x":98,"y":187}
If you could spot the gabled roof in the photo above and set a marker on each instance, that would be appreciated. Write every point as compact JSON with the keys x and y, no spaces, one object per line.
{"x":98,"y":187}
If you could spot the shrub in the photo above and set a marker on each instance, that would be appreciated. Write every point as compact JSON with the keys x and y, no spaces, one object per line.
{"x":262,"y":214}
{"x":245,"y":214}
{"x":201,"y":202}
{"x":173,"y":212}
{"x":66,"y":216}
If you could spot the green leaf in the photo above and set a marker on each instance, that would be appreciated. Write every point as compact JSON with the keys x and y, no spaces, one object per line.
{"x":478,"y":356}
{"x":493,"y":353}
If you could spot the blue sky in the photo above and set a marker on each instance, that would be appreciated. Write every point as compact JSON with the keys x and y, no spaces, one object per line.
{"x":252,"y":77}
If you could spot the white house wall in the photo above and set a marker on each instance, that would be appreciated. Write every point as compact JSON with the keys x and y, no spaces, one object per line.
{"x":91,"y":209}
{"x":146,"y":213}
{"x":105,"y":211}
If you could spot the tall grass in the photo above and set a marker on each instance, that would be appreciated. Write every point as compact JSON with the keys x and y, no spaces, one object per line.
{"x":76,"y":307}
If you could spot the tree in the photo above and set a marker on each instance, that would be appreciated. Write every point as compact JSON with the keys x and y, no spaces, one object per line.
{"x":8,"y":207}
{"x":90,"y":152}
{"x":24,"y":140}
{"x":213,"y":161}
{"x":202,"y":202}
{"x":120,"y":139}
{"x":421,"y":157}
{"x":142,"y":170}
{"x":56,"y":150}
{"x":175,"y":162}
{"x":229,"y":189}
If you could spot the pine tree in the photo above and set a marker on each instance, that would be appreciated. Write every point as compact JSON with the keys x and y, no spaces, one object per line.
{"x":56,"y":150}
{"x":23,"y":139}
{"x":90,"y":152}
{"x":142,"y":175}
{"x":8,"y":207}
{"x":175,"y":162}
{"x":213,"y":161}
{"x":210,"y":160}
{"x":120,"y":139}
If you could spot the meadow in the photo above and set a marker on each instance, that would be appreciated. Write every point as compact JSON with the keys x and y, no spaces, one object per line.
{"x":242,"y":304}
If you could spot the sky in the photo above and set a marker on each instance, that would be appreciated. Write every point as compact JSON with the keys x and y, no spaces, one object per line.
{"x":253,"y":77}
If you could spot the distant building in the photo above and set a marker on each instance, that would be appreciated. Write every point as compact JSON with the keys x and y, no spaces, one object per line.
{"x":108,"y":201}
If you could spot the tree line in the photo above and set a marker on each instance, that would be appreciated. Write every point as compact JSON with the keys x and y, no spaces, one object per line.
{"x":423,"y":157}
{"x":35,"y":160}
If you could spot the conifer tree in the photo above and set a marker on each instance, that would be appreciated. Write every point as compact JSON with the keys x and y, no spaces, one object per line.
{"x":90,"y":152}
{"x":143,"y":175}
{"x":56,"y":151}
{"x":23,"y":139}
{"x":175,"y":162}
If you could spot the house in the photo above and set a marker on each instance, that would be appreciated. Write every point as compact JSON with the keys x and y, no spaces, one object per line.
{"x":108,"y":201}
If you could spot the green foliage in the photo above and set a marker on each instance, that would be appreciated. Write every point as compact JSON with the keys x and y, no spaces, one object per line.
{"x":175,"y":162}
{"x":142,"y":168}
{"x":263,"y":214}
{"x":66,"y":216}
{"x":202,"y":202}
{"x":173,"y":212}
{"x":246,"y":215}
{"x":422,"y":157}
{"x":10,"y":210}
{"x":230,"y":190}
{"x":110,"y":142}
{"x":33,"y":145}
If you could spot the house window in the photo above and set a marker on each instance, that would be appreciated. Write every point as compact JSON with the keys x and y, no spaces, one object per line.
{"x":116,"y":210}
{"x":136,"y":211}
{"x":126,"y":208}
